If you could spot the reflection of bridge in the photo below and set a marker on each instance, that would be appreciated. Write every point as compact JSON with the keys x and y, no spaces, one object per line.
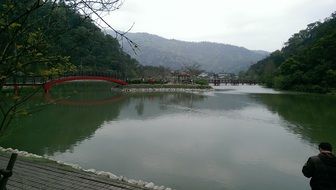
{"x":48,"y":85}
{"x":49,"y":82}
{"x":217,"y":82}
{"x":68,"y":102}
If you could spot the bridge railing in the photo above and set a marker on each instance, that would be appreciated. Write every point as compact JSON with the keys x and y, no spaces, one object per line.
{"x":113,"y":74}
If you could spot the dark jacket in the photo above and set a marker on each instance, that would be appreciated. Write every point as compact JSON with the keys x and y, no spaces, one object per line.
{"x":322,"y":170}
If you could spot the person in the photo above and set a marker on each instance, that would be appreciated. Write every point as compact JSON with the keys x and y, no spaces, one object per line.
{"x":321,"y":169}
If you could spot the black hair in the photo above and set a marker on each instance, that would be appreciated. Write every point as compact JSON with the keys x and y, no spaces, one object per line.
{"x":325,"y":146}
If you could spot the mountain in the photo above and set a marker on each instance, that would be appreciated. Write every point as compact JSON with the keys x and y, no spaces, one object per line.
{"x":307,"y":62}
{"x":158,"y":51}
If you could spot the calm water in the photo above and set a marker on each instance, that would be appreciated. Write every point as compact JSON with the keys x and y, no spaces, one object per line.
{"x":234,"y":138}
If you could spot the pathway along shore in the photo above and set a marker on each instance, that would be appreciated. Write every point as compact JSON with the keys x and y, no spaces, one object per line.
{"x":43,"y":174}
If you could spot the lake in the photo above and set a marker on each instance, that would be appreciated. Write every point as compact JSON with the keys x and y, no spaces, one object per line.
{"x":234,"y":138}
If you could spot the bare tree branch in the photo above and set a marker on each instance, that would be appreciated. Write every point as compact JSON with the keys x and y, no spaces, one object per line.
{"x":14,"y":58}
{"x":122,"y":35}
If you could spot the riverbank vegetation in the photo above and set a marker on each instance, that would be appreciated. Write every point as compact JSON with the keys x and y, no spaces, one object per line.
{"x":46,"y":38}
{"x":306,"y":63}
{"x":54,"y":37}
{"x":162,"y":86}
{"x":51,"y":38}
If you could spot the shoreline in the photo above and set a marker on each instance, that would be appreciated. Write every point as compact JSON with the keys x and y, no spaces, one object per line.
{"x":45,"y":159}
{"x":130,"y":90}
{"x":165,"y":88}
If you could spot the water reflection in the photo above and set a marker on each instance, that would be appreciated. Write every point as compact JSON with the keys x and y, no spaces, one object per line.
{"x":192,"y":146}
{"x":58,"y":127}
{"x":76,"y":113}
{"x":232,"y":139}
{"x":312,"y":117}
{"x":152,"y":105}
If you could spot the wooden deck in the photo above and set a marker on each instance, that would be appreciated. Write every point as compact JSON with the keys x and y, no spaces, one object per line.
{"x":31,"y":175}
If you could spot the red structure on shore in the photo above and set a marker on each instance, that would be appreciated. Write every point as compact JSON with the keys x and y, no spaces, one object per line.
{"x":48,"y":85}
{"x":48,"y":82}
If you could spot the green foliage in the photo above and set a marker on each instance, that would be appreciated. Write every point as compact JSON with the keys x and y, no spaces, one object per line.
{"x":87,"y":47}
{"x":50,"y":38}
{"x":201,"y":82}
{"x":46,"y":38}
{"x":307,"y":62}
{"x":280,"y":82}
{"x":24,"y":47}
{"x":149,"y":81}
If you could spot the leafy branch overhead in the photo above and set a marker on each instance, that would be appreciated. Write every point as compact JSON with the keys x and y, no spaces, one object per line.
{"x":51,"y":37}
{"x":28,"y":28}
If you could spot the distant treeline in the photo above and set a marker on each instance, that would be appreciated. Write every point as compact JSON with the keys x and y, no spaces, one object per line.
{"x":46,"y":38}
{"x":307,"y":62}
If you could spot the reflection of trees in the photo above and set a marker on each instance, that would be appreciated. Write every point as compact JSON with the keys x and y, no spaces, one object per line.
{"x":184,"y":99}
{"x":140,"y":107}
{"x":82,"y":90}
{"x":313,"y":116}
{"x":155,"y":104}
{"x":58,"y":127}
{"x":180,"y":98}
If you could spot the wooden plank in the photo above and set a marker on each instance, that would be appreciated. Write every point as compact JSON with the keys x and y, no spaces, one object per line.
{"x":89,"y":176}
{"x":43,"y":175}
{"x":60,"y":182}
{"x":58,"y":176}
{"x":61,"y":178}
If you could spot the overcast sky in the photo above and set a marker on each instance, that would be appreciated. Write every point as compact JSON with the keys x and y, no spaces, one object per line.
{"x":254,"y":24}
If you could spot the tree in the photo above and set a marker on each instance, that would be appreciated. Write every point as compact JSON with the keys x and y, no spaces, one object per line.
{"x":193,"y":70}
{"x":305,"y":63}
{"x":27,"y":49}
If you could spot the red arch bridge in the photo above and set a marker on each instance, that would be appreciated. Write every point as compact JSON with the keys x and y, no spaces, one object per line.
{"x":48,"y":83}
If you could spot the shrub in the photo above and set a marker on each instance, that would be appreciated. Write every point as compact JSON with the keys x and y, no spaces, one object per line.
{"x":202,"y":82}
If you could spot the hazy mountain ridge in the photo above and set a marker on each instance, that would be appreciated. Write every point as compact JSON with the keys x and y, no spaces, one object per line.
{"x":157,"y":51}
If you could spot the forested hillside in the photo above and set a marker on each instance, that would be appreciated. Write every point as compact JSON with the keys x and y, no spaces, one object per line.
{"x":157,"y":51}
{"x":43,"y":38}
{"x":307,"y":62}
